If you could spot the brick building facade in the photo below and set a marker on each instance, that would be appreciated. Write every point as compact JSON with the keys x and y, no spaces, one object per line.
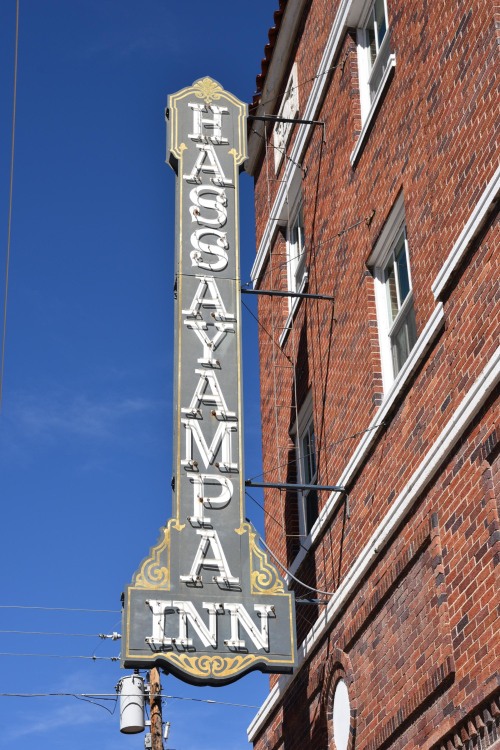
{"x":384,"y":201}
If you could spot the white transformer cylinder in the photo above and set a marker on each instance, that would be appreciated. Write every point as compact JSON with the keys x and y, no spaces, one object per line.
{"x":131,"y":691}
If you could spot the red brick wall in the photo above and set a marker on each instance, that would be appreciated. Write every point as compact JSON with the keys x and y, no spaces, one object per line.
{"x":421,"y":633}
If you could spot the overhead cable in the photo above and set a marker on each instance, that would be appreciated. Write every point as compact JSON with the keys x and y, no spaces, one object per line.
{"x":273,"y":518}
{"x":328,"y":447}
{"x":297,"y":580}
{"x":308,"y":80}
{"x":57,"y":609}
{"x":11,"y":190}
{"x":64,"y":656}
{"x":112,"y":636}
{"x":259,"y":322}
{"x":112,"y":696}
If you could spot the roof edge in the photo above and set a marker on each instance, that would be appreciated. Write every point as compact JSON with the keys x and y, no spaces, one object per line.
{"x":274,"y":68}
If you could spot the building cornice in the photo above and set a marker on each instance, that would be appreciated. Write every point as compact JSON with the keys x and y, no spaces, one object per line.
{"x":273,"y":83}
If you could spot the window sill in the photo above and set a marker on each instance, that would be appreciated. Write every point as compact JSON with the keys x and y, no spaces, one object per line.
{"x":391,"y":64}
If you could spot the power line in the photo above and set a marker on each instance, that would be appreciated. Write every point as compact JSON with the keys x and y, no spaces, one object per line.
{"x":63,"y":656}
{"x":326,"y":448}
{"x":280,"y":149}
{"x":259,"y":322}
{"x":295,"y":536}
{"x":297,"y":580}
{"x":113,"y":636}
{"x":314,"y":245}
{"x":112,"y":696}
{"x":308,"y":80}
{"x":305,"y":585}
{"x":11,"y":190}
{"x":57,"y":609}
{"x":207,"y":700}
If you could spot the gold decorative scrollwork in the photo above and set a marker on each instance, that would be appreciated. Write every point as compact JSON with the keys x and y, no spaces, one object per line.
{"x":153,"y":572}
{"x":207,"y":666}
{"x":208,"y":89}
{"x":264,"y":576}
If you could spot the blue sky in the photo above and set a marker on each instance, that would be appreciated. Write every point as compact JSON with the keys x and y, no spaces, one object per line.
{"x":86,"y":423}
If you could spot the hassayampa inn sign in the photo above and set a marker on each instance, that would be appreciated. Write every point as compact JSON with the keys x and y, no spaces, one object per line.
{"x":206,"y":604}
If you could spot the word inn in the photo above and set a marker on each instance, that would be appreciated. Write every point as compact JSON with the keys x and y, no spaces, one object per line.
{"x":187,"y":614}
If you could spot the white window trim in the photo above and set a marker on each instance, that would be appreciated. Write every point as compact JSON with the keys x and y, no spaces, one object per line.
{"x":378,"y":261}
{"x":365,"y":68}
{"x":348,"y":15}
{"x":466,"y":411}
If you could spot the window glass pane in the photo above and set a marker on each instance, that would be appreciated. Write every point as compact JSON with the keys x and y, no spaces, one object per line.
{"x":392,"y":295}
{"x":312,"y":454}
{"x":293,"y":240}
{"x":299,"y":232}
{"x":371,"y":43}
{"x":403,"y":340}
{"x":412,"y":328}
{"x":402,"y":266}
{"x":399,"y":348}
{"x":296,"y":250}
{"x":300,"y":240}
{"x":312,"y":510}
{"x":305,"y":458}
{"x":379,"y":11}
{"x":309,"y":456}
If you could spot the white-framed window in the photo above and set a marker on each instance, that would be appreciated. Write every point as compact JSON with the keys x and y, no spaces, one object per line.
{"x":296,"y":251}
{"x":288,"y":110}
{"x":390,"y":261}
{"x":374,"y":58}
{"x":307,"y":468}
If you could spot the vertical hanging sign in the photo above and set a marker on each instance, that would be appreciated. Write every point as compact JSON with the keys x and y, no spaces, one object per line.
{"x":207,"y":604}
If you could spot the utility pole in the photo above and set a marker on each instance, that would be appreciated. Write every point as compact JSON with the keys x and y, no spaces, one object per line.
{"x":155,"y":709}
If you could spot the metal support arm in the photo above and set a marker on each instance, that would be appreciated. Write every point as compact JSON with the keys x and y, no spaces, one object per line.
{"x":292,"y":120}
{"x":298,"y":487}
{"x":272,"y":293}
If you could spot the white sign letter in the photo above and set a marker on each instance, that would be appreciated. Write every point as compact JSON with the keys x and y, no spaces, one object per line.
{"x":214,"y":301}
{"x":210,"y":538}
{"x":217,"y":204}
{"x":240,"y":616}
{"x":207,"y":151}
{"x":209,"y":345}
{"x":219,"y":249}
{"x":223,"y":435}
{"x":215,"y":124}
{"x":208,"y":379}
{"x":201,"y":501}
